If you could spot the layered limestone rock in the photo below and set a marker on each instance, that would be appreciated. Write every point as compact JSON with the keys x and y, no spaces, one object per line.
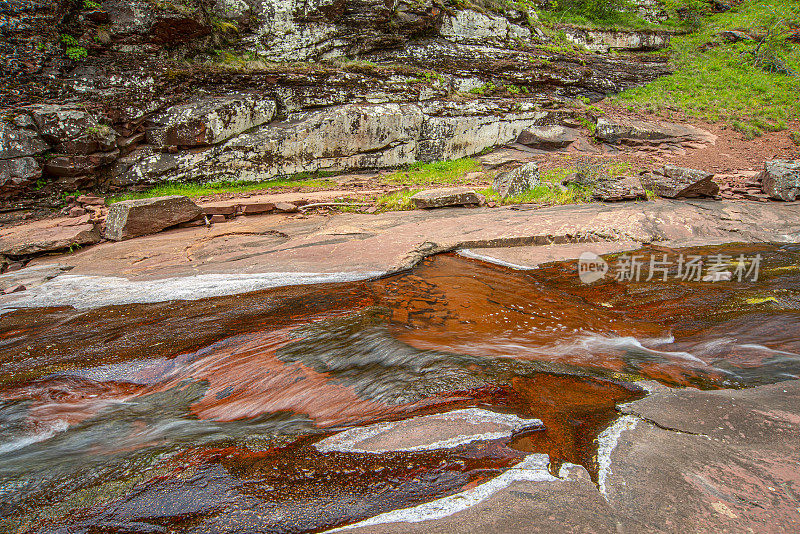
{"x":598,"y":40}
{"x":131,"y":94}
{"x":209,"y":121}
{"x":340,"y":138}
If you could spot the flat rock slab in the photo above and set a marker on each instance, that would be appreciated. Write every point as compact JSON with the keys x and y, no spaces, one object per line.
{"x":132,"y":218}
{"x":361,"y":245}
{"x":679,"y":461}
{"x":441,"y":198}
{"x":31,"y":276}
{"x":429,"y":432}
{"x":504,"y":156}
{"x":635,"y":131}
{"x":47,"y":236}
{"x":258,"y":202}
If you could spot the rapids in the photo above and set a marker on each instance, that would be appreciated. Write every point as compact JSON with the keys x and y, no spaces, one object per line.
{"x":202,"y":416}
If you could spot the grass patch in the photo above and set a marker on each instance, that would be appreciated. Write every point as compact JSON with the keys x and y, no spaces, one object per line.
{"x":439,"y":172}
{"x":397,"y":201}
{"x":621,"y":14}
{"x":716,"y":80}
{"x":195,"y":189}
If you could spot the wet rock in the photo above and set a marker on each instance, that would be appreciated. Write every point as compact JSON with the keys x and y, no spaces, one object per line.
{"x":449,"y":196}
{"x":625,"y":188}
{"x":634,"y":132}
{"x":30,"y":277}
{"x":547,"y":137}
{"x":46,"y":236}
{"x":518,"y":181}
{"x":781,"y":179}
{"x":209,"y":121}
{"x":131,"y":218}
{"x":680,"y":182}
{"x":18,"y":142}
{"x":430,"y":432}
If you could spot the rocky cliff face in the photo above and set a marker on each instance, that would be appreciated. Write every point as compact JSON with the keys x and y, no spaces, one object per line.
{"x":120,"y":94}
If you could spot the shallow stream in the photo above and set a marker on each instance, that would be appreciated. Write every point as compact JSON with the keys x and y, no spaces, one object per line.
{"x":207,"y":415}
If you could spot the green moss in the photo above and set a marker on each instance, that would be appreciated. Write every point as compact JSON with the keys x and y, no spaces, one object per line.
{"x":439,"y":172}
{"x":193,"y":189}
{"x":397,"y":201}
{"x":716,"y":80}
{"x":485,"y":89}
{"x":760,"y":300}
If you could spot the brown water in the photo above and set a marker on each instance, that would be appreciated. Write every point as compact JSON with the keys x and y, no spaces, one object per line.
{"x":201,"y":416}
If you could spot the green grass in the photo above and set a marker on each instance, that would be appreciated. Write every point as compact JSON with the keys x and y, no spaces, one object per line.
{"x":194,"y":189}
{"x":397,"y":201}
{"x":439,"y":172}
{"x":620,"y":14}
{"x":721,"y":82}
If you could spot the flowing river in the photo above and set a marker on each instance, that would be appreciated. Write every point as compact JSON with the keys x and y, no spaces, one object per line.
{"x":243,"y":413}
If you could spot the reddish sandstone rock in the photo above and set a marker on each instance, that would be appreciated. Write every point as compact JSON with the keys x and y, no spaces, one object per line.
{"x":449,"y":196}
{"x":131,"y":218}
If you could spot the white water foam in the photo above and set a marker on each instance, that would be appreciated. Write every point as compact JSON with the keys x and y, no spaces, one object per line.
{"x":606,"y":443}
{"x":21,"y":443}
{"x":347,"y":441}
{"x":532,"y":469}
{"x":87,"y":292}
{"x":467,"y":253}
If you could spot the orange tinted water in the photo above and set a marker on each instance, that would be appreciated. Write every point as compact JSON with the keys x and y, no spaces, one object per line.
{"x":196,"y":415}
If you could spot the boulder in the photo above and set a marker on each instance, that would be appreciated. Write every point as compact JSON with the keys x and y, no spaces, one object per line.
{"x":547,"y":137}
{"x":46,"y":236}
{"x":518,"y":181}
{"x":680,"y":182}
{"x":209,"y":121}
{"x":625,"y":188}
{"x":637,"y":132}
{"x":781,"y":179}
{"x":449,"y":196}
{"x":131,"y":218}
